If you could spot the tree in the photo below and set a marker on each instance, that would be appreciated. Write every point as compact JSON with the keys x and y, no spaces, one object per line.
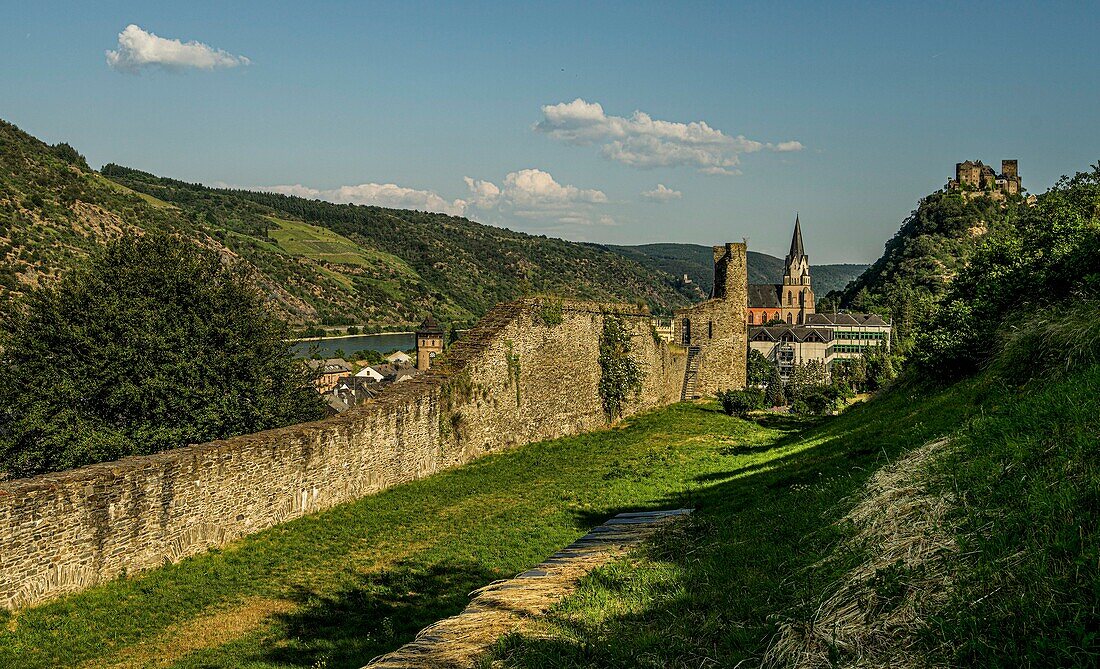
{"x":758,"y":369}
{"x":155,"y":344}
{"x":774,"y":395}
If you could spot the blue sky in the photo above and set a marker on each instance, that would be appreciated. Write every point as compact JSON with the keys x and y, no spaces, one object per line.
{"x":339,"y":100}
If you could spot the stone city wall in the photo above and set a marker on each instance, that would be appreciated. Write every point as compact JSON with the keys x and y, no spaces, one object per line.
{"x":529,"y":371}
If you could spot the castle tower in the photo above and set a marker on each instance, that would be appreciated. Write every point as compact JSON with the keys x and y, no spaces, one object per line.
{"x":796,"y":295}
{"x":429,"y":342}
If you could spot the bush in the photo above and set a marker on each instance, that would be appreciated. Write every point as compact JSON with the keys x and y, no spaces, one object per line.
{"x":155,"y":344}
{"x":820,"y":399}
{"x":741,"y":402}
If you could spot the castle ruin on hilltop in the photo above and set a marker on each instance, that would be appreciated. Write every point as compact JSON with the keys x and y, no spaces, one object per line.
{"x":974,"y":176}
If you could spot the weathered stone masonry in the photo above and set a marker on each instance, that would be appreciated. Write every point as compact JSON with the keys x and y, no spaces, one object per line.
{"x":522,"y":375}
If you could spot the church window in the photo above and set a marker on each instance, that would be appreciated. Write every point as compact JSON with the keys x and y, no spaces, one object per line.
{"x":789,"y":298}
{"x":788,"y":319}
{"x":750,"y":318}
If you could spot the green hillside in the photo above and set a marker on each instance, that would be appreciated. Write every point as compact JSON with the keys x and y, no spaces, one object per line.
{"x":320,"y":263}
{"x":919,"y":263}
{"x":697,"y":262}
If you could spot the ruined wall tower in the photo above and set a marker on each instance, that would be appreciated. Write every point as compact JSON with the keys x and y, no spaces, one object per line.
{"x":715,"y":331}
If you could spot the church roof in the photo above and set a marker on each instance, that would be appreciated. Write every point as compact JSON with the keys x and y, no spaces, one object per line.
{"x":764,"y":295}
{"x":797,"y":251}
{"x":429,"y":326}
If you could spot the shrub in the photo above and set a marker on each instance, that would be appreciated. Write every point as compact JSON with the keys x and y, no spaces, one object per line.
{"x":741,"y":402}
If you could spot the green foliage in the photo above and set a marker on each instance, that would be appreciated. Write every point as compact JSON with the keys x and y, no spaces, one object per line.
{"x":740,"y":402}
{"x":1037,"y":268}
{"x":775,"y":396}
{"x":620,"y":375}
{"x":820,"y":399}
{"x":758,"y":369}
{"x":804,"y":375}
{"x":923,"y":259}
{"x":154,"y":345}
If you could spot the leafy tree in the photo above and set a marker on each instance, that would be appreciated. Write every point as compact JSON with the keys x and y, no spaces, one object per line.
{"x":804,"y":375}
{"x":774,"y":395}
{"x":759,"y":369}
{"x":620,"y":375}
{"x":154,"y":344}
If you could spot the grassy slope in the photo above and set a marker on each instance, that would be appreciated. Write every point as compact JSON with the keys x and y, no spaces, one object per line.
{"x":364,"y":577}
{"x":1027,"y":584}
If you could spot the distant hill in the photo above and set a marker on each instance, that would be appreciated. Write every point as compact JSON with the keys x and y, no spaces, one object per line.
{"x":697,"y":262}
{"x":320,"y":263}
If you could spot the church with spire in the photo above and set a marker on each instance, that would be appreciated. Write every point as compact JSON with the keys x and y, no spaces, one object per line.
{"x":790,"y":302}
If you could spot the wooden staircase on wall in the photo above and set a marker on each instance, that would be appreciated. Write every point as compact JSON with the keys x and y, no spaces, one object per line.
{"x":691,"y":374}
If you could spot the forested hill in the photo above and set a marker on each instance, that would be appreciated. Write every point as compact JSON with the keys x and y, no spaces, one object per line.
{"x":697,"y":262}
{"x":919,"y":263}
{"x":320,"y":262}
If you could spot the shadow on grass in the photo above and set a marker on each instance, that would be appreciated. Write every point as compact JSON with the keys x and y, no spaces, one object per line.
{"x":714,"y":592}
{"x":375,"y":615}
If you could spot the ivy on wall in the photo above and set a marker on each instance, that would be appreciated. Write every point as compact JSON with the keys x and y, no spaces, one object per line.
{"x":620,"y":376}
{"x":550,"y":312}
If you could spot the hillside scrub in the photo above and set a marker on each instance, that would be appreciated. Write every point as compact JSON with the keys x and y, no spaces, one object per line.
{"x":921,"y":262}
{"x":1039,"y":268}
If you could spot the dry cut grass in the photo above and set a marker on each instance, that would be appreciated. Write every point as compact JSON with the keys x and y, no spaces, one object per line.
{"x":876,"y":612}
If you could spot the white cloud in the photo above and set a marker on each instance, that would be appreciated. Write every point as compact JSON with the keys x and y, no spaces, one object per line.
{"x":139,"y":49}
{"x":483,"y":194}
{"x":379,"y":195}
{"x":535,"y":194}
{"x":530,"y":194}
{"x":662,"y":193}
{"x":642,"y":141}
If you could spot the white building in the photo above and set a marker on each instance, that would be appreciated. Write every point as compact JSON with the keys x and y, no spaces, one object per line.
{"x":825,"y":338}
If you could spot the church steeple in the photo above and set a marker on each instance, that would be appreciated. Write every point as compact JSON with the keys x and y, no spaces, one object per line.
{"x":796,"y":242}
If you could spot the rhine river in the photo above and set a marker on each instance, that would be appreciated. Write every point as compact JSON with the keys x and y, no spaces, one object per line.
{"x":383,"y":343}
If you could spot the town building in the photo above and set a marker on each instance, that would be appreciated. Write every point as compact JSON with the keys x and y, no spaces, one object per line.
{"x":370,"y":373}
{"x":791,"y":301}
{"x":399,"y":359}
{"x":825,"y":338}
{"x":328,"y":372}
{"x":429,"y":342}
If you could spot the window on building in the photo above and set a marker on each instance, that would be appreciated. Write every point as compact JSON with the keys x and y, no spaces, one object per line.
{"x":789,"y":321}
{"x":750,"y":318}
{"x":790,"y":300}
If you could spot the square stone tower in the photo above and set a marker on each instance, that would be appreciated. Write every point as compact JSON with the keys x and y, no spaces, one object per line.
{"x":715,"y":331}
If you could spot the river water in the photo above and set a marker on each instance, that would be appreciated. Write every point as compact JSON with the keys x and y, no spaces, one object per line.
{"x":384,"y":343}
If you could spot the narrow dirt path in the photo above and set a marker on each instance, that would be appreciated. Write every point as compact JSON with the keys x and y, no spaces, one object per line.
{"x":510,"y":605}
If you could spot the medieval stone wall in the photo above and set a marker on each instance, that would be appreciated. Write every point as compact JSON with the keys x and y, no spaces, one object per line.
{"x":529,"y":371}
